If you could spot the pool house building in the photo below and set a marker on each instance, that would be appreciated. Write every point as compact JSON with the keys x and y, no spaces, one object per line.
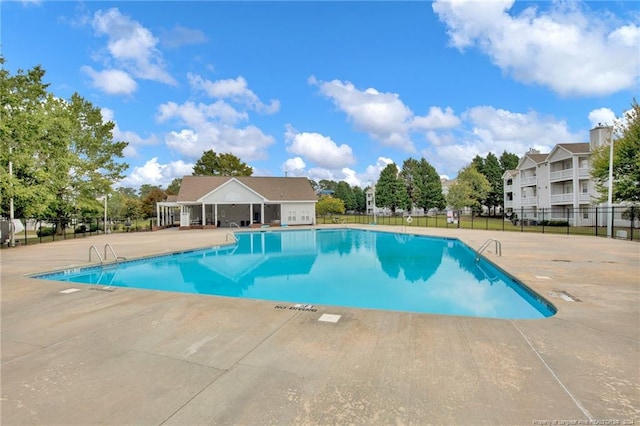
{"x":225,"y":202}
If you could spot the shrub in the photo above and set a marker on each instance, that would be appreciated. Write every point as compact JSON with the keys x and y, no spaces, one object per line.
{"x":45,"y":232}
{"x":553,"y":223}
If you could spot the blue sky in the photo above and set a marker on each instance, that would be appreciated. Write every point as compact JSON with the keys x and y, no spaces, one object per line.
{"x":332,"y":90}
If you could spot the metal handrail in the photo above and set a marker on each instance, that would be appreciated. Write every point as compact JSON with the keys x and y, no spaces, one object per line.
{"x":483,"y":247}
{"x":226,"y":238}
{"x":97,"y":254}
{"x":112,"y":252}
{"x":232,"y":224}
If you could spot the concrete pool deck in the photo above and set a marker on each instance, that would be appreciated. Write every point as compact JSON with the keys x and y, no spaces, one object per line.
{"x":128,"y":356}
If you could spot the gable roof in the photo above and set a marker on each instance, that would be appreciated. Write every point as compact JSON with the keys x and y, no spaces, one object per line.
{"x":535,"y":157}
{"x":576,"y":148}
{"x":271,"y":188}
{"x":538,"y":158}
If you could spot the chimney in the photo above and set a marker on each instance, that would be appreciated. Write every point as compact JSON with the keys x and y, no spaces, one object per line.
{"x":600,"y":135}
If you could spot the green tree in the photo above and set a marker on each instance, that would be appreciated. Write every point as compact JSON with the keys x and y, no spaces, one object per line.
{"x":493,"y":172}
{"x":128,"y":192}
{"x":146,"y":189}
{"x":149,"y":201}
{"x":344,"y":192}
{"x":391,"y":191}
{"x":508,"y":161}
{"x":469,"y":190}
{"x":460,"y":195}
{"x":22,"y":96}
{"x":626,"y":160}
{"x":411,"y":177}
{"x":329,"y":205}
{"x":328,"y":184}
{"x":133,"y":208}
{"x":212,"y":164}
{"x":423,"y":184}
{"x":174,"y":186}
{"x":493,"y":168}
{"x":63,"y":151}
{"x":360,"y":198}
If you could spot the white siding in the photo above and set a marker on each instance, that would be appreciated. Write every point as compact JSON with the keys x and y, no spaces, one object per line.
{"x":298,"y":213}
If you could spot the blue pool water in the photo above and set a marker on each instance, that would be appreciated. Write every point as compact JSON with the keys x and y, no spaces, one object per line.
{"x":340,"y":267}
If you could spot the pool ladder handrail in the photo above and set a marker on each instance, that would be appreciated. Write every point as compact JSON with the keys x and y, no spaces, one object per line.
{"x":103,"y":259}
{"x":232,"y":224}
{"x":483,"y":247}
{"x":226,"y":238}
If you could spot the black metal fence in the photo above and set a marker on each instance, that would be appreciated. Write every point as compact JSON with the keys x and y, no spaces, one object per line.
{"x":617,"y":222}
{"x":44,"y":230}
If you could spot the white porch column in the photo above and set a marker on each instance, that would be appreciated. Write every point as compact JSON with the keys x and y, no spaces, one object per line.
{"x":215,"y":214}
{"x":250,"y":214}
{"x":158,"y":213}
{"x":202,"y":218}
{"x":262,"y":212}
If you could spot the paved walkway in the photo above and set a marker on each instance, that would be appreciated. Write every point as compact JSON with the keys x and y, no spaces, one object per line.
{"x":141,"y":357}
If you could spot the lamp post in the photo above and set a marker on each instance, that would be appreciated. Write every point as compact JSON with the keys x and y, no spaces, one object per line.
{"x":610,"y":195}
{"x":104,"y":198}
{"x":12,"y":236}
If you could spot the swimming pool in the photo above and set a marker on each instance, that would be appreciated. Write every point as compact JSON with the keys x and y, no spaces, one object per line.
{"x":335,"y":267}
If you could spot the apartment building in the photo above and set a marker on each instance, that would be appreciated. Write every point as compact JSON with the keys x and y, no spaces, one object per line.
{"x":555,"y":185}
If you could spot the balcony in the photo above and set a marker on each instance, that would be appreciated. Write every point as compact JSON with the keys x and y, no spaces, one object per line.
{"x":508,"y":203}
{"x":584,"y":172}
{"x":561,"y":198}
{"x":584,"y":198}
{"x":528,"y":181}
{"x":531,"y":201}
{"x":559,"y":175}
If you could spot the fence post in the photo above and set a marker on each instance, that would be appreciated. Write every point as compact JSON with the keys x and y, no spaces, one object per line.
{"x":543,"y":220}
{"x":521,"y":217}
{"x":597,"y":223}
{"x":632,"y":219}
{"x":568,"y":220}
{"x":613,"y":228}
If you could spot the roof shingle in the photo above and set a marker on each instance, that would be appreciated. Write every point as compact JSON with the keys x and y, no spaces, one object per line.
{"x":271,"y":188}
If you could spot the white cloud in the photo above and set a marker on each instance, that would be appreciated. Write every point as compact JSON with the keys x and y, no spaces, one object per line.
{"x":153,"y":173}
{"x":601,"y":116}
{"x":131,"y":46}
{"x":351,"y":177}
{"x":180,"y":36}
{"x":112,"y":82}
{"x":196,"y":115}
{"x":294,"y":167}
{"x":319,"y":149}
{"x":436,"y":119}
{"x":236,"y":90}
{"x":372,"y":171}
{"x":382,"y":115}
{"x":247,"y":143}
{"x":565,"y":48}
